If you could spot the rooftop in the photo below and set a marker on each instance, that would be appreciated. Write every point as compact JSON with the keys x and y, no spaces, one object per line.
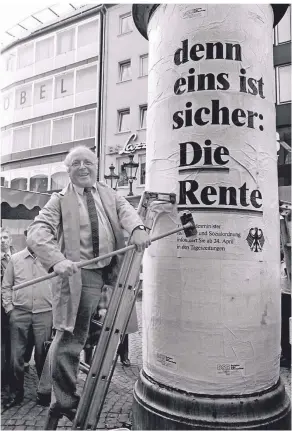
{"x":39,"y":19}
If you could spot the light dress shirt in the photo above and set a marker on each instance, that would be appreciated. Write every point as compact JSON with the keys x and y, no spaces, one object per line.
{"x":106,"y":235}
{"x":6,"y":255}
{"x":36,"y":298}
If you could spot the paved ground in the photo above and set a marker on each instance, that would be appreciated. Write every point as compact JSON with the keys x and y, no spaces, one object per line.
{"x":116,"y":411}
{"x":117,"y":408}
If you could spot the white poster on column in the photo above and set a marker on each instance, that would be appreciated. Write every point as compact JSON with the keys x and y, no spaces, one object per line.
{"x":211,"y":308}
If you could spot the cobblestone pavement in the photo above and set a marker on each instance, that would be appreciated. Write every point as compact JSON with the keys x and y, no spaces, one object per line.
{"x":116,"y":411}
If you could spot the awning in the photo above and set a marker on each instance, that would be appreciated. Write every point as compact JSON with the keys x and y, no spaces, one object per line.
{"x":21,"y":197}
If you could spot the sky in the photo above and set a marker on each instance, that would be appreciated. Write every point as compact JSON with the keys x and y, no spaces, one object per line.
{"x":16,"y":10}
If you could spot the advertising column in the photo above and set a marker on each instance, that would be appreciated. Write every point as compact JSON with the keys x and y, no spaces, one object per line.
{"x":211,"y":304}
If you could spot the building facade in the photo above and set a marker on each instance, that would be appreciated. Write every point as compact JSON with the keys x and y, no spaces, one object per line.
{"x":125,"y":100}
{"x":282,"y":64}
{"x":82,"y":79}
{"x":49,"y":100}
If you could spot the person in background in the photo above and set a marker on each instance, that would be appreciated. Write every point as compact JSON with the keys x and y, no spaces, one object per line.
{"x":123,"y":351}
{"x":28,"y":351}
{"x":6,"y":253}
{"x":27,"y":308}
{"x":285,"y":315}
{"x":6,"y":249}
{"x":83,"y":221}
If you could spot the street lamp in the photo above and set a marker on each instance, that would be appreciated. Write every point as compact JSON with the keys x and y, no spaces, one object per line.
{"x":112,"y":177}
{"x":131,"y":171}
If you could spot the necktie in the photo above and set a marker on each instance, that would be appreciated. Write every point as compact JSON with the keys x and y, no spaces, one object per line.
{"x":93,"y":220}
{"x":4,"y":262}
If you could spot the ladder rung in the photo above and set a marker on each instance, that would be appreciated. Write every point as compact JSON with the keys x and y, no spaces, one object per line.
{"x":97,"y":322}
{"x":84,"y":367}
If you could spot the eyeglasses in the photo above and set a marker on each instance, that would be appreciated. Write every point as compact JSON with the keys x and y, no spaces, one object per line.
{"x":77,"y":163}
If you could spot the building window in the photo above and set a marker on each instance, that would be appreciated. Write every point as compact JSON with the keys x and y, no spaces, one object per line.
{"x":142,"y":163}
{"x":44,"y":49}
{"x":284,"y":140}
{"x":86,"y":79}
{"x":123,"y":181}
{"x":88,"y":33}
{"x":64,"y":85}
{"x":283,"y":80}
{"x":283,"y":29}
{"x":144,"y":65}
{"x":41,"y":134}
{"x":125,"y":72}
{"x":284,"y":154}
{"x":19,"y":184}
{"x":84,"y":125}
{"x":10,"y":63}
{"x":21,"y":138}
{"x":59,"y":180}
{"x":43,"y":91}
{"x":7,"y":100}
{"x":66,"y":41}
{"x":6,"y":142}
{"x":62,"y":130}
{"x":25,"y":55}
{"x":124,"y":120}
{"x":143,"y":117}
{"x":126,"y":23}
{"x":38,"y":183}
{"x":23,"y":97}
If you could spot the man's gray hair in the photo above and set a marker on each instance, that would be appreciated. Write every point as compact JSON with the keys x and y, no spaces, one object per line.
{"x":5,"y":230}
{"x":74,"y":150}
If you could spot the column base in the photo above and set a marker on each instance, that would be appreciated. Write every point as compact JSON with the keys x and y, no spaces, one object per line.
{"x":158,"y":407}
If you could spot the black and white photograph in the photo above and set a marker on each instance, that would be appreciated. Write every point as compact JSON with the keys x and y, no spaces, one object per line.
{"x":145,"y":216}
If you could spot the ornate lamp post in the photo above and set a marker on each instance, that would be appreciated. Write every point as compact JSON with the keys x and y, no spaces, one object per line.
{"x":131,"y":171}
{"x":112,"y":177}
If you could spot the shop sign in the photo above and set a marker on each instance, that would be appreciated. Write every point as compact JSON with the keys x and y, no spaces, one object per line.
{"x":42,"y":92}
{"x":131,"y":147}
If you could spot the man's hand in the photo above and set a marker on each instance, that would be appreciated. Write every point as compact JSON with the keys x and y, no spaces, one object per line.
{"x":102,"y":313}
{"x":141,"y":239}
{"x":65,"y":268}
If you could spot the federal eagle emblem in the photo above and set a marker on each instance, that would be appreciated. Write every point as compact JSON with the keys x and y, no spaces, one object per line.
{"x":255,"y":239}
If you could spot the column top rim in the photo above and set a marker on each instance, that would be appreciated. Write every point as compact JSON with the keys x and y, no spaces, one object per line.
{"x":142,"y":13}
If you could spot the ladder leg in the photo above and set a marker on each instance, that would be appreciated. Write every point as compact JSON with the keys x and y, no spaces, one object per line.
{"x":107,"y":366}
{"x":100,"y":351}
{"x":51,"y":421}
{"x":88,"y":353}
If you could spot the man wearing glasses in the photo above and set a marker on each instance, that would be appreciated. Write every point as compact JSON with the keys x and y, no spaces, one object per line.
{"x":83,"y":221}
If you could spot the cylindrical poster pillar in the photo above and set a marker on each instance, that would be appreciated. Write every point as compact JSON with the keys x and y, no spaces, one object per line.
{"x":211,"y":304}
